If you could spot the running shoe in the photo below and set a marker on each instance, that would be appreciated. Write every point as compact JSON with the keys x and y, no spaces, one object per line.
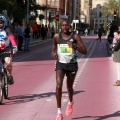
{"x":10,"y":80}
{"x":59,"y":116}
{"x":117,"y":83}
{"x":69,"y":109}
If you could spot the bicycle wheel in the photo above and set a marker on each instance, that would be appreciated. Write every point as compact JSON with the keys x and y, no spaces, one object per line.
{"x":5,"y":89}
{"x":1,"y":90}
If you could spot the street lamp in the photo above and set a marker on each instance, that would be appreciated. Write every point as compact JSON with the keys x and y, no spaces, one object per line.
{"x":72,"y":10}
{"x":65,"y":6}
{"x":94,"y":24}
{"x":57,"y":15}
{"x":27,"y":16}
{"x":46,"y":11}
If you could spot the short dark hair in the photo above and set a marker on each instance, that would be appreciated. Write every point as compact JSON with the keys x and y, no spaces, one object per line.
{"x":66,"y":21}
{"x":117,"y":31}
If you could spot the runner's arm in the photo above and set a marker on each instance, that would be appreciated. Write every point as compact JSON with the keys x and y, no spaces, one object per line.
{"x":81,"y":47}
{"x":54,"y":46}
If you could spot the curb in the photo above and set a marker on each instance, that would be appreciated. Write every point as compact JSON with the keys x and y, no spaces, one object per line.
{"x":38,"y":41}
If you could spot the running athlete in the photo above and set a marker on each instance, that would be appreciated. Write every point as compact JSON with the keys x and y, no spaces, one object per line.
{"x":65,"y":46}
{"x":7,"y":44}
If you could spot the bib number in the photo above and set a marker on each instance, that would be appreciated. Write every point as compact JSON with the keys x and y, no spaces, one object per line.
{"x":65,"y":49}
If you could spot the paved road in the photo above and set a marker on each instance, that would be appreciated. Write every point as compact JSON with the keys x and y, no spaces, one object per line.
{"x":32,"y":97}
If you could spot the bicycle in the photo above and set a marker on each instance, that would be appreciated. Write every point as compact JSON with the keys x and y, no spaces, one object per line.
{"x":3,"y":79}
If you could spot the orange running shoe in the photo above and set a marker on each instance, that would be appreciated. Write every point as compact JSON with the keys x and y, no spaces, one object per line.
{"x":69,"y":109}
{"x":59,"y":116}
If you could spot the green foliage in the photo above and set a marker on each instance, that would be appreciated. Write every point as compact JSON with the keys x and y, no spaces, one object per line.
{"x":109,"y":7}
{"x":105,"y":25}
{"x":17,"y":8}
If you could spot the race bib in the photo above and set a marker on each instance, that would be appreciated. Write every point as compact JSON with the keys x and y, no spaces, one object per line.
{"x":65,"y":49}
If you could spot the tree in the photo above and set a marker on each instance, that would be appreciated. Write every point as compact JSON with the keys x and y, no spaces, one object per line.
{"x":17,"y":8}
{"x":109,"y":7}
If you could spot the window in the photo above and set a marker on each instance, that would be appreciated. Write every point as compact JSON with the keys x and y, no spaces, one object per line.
{"x":48,"y":2}
{"x":100,"y":14}
{"x":52,"y":2}
{"x":52,"y":13}
{"x":56,"y":2}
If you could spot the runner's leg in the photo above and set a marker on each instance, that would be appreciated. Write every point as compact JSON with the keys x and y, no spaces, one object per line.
{"x":70,"y":81}
{"x":59,"y":82}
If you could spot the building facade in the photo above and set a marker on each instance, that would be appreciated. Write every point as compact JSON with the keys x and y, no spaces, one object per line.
{"x":62,"y":7}
{"x":96,"y":16}
{"x":76,"y":10}
{"x":67,"y":9}
{"x":85,"y":12}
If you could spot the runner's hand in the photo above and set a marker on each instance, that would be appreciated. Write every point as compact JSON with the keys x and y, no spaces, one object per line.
{"x":71,"y":45}
{"x":54,"y":55}
{"x":14,"y":52}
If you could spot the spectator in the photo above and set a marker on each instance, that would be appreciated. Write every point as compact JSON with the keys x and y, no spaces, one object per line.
{"x":35,"y":30}
{"x":46,"y":31}
{"x":27,"y":34}
{"x":52,"y":30}
{"x":116,"y":57}
{"x":112,"y":28}
{"x":43,"y":32}
{"x":119,"y":28}
{"x":86,"y":32}
{"x":20,"y":37}
{"x":39,"y":31}
{"x":99,"y":34}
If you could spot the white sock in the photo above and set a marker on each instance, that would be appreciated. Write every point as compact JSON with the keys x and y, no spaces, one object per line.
{"x":59,"y":110}
{"x":70,"y":102}
{"x":9,"y":74}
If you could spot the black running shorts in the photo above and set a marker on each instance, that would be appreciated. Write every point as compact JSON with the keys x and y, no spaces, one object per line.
{"x":6,"y":54}
{"x":68,"y":68}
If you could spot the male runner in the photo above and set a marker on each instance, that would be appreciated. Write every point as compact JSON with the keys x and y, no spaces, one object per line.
{"x":64,"y":49}
{"x":6,"y":40}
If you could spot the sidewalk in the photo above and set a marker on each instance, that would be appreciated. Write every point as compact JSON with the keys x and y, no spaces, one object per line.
{"x":39,"y":40}
{"x":48,"y":39}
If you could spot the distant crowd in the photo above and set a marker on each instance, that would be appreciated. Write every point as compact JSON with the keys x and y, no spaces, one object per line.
{"x":34,"y":31}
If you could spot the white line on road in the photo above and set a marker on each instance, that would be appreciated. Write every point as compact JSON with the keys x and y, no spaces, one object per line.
{"x":30,"y":54}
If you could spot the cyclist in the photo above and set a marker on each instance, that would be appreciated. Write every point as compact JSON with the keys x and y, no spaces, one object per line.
{"x":65,"y":46}
{"x":8,"y":46}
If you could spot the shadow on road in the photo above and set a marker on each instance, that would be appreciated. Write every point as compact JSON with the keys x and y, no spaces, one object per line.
{"x":116,"y":114}
{"x":31,"y":97}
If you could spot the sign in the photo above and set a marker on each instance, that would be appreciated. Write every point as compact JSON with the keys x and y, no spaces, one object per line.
{"x":57,"y":16}
{"x":63,"y":17}
{"x":110,"y":18}
{"x":75,"y":21}
{"x":82,"y":18}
